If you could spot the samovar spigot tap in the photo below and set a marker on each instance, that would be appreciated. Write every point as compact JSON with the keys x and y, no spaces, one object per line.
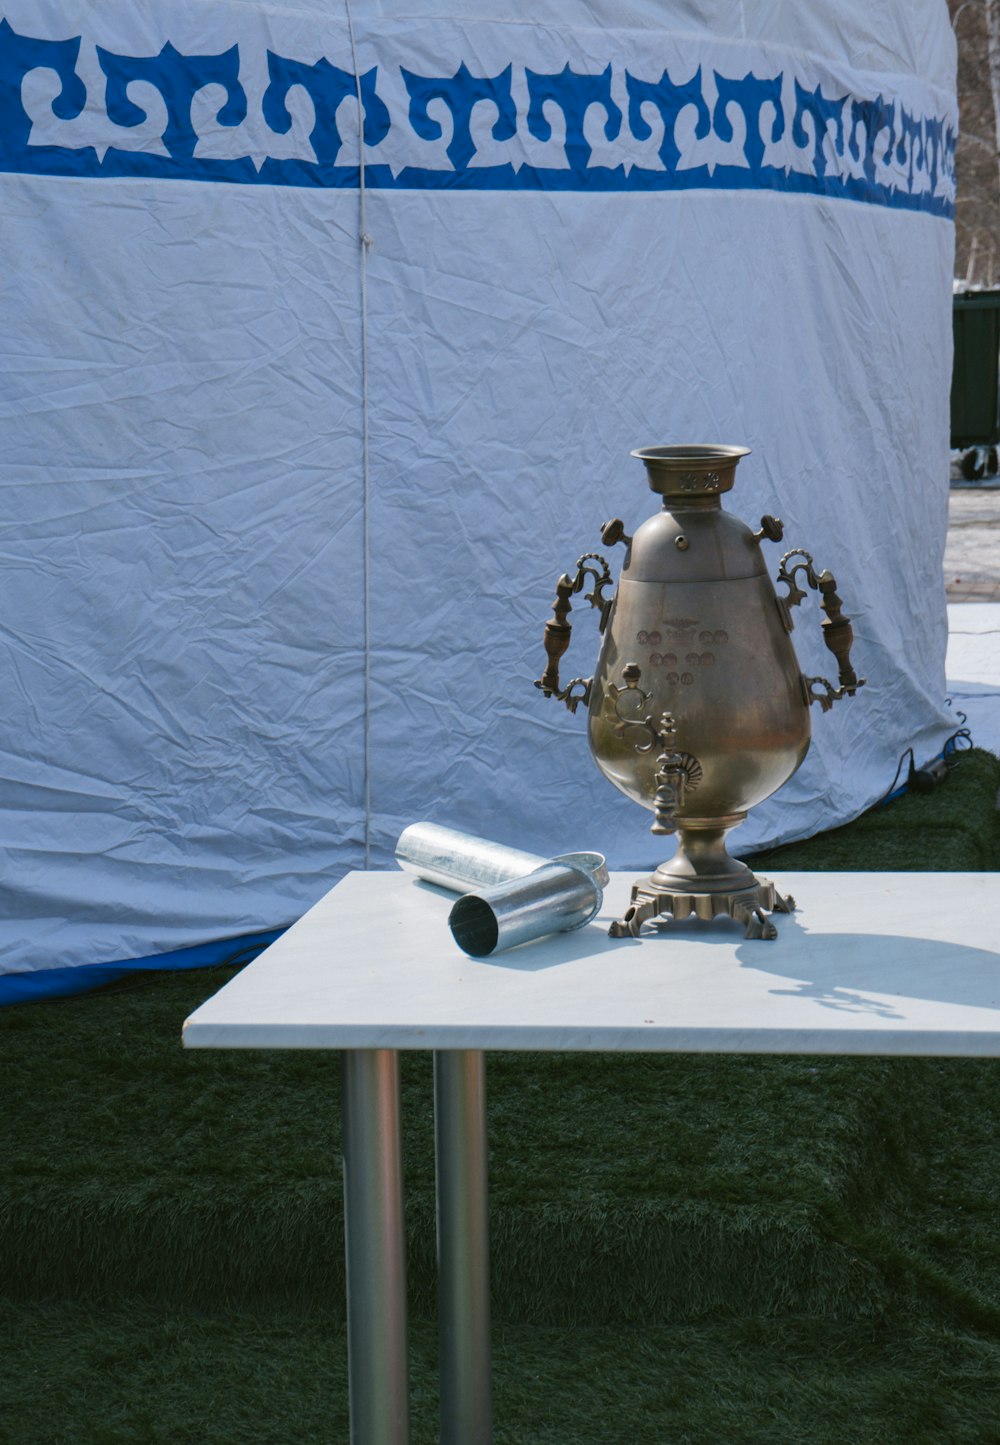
{"x":671,"y":778}
{"x":676,"y":772}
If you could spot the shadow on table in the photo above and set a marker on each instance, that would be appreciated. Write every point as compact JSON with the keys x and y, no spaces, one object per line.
{"x":842,"y":971}
{"x":855,"y":973}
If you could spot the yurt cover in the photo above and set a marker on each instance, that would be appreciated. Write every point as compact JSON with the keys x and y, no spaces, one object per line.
{"x":297,"y":439}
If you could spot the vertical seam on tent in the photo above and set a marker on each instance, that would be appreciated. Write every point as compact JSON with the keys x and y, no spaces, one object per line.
{"x":366,"y":244}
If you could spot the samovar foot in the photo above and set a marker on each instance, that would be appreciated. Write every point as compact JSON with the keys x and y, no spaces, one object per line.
{"x":756,"y":923}
{"x":634,"y":917}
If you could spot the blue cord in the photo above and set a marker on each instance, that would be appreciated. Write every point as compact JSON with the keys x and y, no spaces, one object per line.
{"x":959,"y":742}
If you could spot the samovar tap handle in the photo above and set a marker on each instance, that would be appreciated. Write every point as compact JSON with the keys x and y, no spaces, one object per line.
{"x":837,"y":631}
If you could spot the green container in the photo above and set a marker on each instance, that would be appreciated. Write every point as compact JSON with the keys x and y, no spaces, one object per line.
{"x":976,"y":372}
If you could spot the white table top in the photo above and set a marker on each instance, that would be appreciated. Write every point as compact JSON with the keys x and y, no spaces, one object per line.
{"x":870,"y":963}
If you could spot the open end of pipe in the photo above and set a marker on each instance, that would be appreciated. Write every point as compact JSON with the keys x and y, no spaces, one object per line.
{"x":474,"y":926}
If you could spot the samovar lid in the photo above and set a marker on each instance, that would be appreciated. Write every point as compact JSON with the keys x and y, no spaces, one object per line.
{"x":691,"y":471}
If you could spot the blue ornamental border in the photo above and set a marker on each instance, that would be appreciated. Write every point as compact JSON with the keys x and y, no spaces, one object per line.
{"x":868,"y":132}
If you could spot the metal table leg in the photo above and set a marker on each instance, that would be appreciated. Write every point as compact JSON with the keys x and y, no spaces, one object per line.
{"x":375,"y":1248}
{"x":463,"y":1246}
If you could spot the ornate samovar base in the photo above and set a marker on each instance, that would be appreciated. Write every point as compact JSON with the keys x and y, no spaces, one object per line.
{"x":704,"y":881}
{"x":750,"y":907}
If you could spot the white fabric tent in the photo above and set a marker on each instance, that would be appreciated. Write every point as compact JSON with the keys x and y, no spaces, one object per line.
{"x":284,"y":509}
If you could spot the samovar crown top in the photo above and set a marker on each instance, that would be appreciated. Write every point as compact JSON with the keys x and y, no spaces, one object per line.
{"x":689,"y":471}
{"x":692,"y":542}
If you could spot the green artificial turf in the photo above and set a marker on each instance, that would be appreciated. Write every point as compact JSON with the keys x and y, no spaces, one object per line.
{"x":955,"y":829}
{"x":694,"y":1248}
{"x":137,"y":1169}
{"x":81,"y":1375}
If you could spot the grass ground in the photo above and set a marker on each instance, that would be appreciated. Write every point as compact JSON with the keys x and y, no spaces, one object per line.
{"x":693,"y":1249}
{"x":139,"y":1376}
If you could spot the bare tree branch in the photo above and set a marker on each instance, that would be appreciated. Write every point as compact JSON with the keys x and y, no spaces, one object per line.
{"x":977,"y":202}
{"x":993,"y":50}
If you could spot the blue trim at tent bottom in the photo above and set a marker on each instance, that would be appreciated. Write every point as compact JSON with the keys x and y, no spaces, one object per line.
{"x":47,"y":983}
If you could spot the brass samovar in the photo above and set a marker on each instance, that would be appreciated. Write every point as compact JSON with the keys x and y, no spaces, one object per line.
{"x":698,"y":709}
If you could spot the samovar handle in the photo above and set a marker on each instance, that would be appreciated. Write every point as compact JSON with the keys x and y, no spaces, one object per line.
{"x":837,"y":631}
{"x":558,"y":630}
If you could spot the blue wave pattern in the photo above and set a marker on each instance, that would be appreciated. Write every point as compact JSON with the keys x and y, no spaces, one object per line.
{"x":842,"y":145}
